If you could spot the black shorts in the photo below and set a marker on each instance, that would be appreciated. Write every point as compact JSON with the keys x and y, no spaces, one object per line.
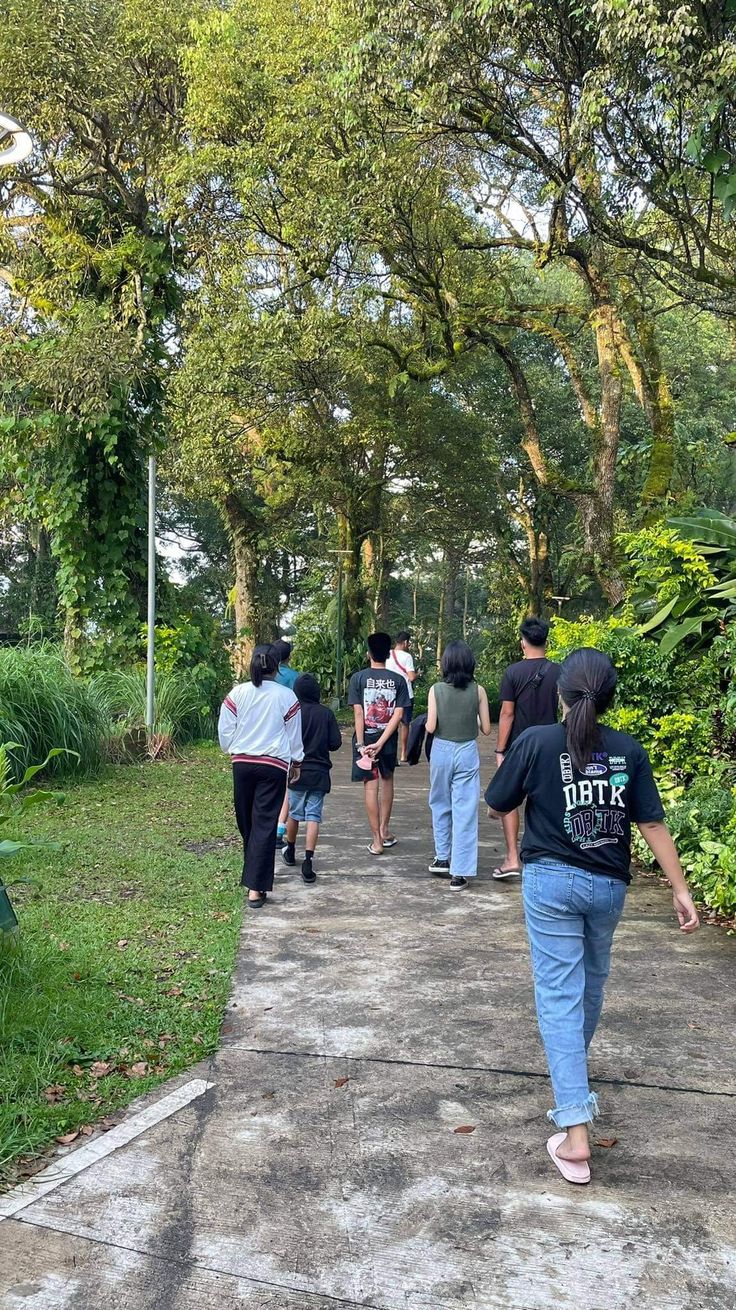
{"x":408,"y":713}
{"x":384,"y":763}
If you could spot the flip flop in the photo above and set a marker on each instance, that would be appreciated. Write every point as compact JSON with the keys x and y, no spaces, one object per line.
{"x":392,"y":841}
{"x":506,"y":873}
{"x":371,"y":851}
{"x":573,"y":1171}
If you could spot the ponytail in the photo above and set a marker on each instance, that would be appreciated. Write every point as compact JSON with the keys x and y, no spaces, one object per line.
{"x":586,"y":685}
{"x":264,"y":663}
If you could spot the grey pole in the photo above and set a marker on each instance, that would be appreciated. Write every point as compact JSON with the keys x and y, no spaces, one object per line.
{"x":151,"y":651}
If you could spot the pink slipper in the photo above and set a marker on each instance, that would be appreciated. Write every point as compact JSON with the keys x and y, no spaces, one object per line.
{"x":573,"y":1171}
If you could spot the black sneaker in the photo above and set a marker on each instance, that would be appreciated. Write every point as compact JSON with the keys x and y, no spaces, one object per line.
{"x":287,"y":854}
{"x":457,"y":884}
{"x":308,"y":874}
{"x":442,"y":867}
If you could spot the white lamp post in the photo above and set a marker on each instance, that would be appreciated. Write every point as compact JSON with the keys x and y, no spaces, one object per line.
{"x":21,"y":144}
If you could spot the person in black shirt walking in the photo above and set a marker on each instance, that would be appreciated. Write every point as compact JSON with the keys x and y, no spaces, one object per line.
{"x":584,"y":785}
{"x":306,"y":796}
{"x":528,"y":697}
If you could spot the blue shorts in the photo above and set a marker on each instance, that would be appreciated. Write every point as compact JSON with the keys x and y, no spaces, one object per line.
{"x":306,"y":806}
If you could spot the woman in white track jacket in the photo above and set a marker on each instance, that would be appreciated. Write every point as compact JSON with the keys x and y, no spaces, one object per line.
{"x":260,"y":728}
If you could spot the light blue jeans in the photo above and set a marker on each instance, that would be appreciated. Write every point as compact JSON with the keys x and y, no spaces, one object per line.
{"x":571,"y":916}
{"x":454,"y":793}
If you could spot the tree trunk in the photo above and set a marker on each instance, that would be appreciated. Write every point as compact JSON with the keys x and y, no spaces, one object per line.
{"x":354,"y":595}
{"x":251,"y":624}
{"x":596,"y":509}
{"x":441,"y":614}
{"x":654,"y":394}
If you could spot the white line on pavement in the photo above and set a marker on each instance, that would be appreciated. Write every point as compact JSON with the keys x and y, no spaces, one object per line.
{"x":96,"y":1149}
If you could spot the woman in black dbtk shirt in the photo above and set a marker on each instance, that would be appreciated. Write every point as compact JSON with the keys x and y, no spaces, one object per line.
{"x":584,"y":785}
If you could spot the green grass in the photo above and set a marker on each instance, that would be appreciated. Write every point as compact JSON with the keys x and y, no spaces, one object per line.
{"x":126,"y":950}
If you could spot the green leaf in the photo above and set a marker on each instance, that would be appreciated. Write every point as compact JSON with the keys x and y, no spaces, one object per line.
{"x":710,"y":526}
{"x":715,"y":160}
{"x":679,"y":631}
{"x":659,"y":617}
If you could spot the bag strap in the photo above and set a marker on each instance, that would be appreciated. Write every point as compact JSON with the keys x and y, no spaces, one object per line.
{"x":538,"y":674}
{"x":396,"y":660}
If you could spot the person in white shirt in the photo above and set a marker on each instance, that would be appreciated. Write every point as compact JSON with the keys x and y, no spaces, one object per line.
{"x":260,"y":728}
{"x":401,"y":661}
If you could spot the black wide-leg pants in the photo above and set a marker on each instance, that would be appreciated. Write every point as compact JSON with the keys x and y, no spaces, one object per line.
{"x":259,"y":791}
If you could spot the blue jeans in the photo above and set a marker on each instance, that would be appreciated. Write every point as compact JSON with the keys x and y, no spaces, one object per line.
{"x":571,"y":916}
{"x":454,"y":793}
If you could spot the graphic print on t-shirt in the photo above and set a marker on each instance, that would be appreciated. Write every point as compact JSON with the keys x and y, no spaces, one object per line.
{"x":379,"y":702}
{"x":595,"y":805}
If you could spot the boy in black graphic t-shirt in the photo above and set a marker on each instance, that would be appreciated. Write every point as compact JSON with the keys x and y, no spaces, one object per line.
{"x":378,"y":698}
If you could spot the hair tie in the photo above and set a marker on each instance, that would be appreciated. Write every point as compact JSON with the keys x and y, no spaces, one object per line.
{"x":588,"y":695}
{"x":263,"y":660}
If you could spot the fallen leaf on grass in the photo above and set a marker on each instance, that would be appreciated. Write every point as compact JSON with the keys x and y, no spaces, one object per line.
{"x":341,"y":1082}
{"x":198,"y":1038}
{"x":66,"y":1138}
{"x":175,"y":991}
{"x":78,"y":1071}
{"x":111,"y":1121}
{"x":220,"y":915}
{"x":122,"y":943}
{"x":465,"y":1128}
{"x":87,"y":1130}
{"x":100,"y":1069}
{"x":54,"y":1093}
{"x":137,"y":1070}
{"x":607,"y":1142}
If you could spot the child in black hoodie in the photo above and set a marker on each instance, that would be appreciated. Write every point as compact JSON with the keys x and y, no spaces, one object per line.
{"x":320,"y":735}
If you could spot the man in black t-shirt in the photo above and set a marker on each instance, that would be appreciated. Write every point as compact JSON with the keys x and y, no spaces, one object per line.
{"x":378,"y":697}
{"x":528,"y":700}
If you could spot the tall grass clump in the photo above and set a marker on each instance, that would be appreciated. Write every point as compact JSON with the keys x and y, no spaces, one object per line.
{"x":182,"y":713}
{"x":43,"y":705}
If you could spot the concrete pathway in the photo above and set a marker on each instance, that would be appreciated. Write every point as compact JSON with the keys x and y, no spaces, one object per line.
{"x":371,"y":1017}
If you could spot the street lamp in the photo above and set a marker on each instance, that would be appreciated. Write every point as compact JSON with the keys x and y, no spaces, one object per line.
{"x":21,"y":144}
{"x":151,"y":635}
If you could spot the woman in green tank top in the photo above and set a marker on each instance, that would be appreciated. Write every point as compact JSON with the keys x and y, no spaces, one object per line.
{"x":457,"y":709}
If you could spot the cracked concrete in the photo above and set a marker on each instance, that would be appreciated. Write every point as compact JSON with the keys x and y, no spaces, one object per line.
{"x":279,"y":1190}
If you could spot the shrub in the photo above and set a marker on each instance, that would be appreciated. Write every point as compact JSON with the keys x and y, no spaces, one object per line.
{"x":193,"y":645}
{"x":43,"y":705}
{"x":181,"y":712}
{"x":647,"y":680}
{"x":702,"y":821}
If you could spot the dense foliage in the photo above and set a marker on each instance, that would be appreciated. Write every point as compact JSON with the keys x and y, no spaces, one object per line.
{"x":435,"y":299}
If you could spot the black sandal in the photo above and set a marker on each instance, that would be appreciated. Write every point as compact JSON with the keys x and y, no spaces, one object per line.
{"x":258,"y":905}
